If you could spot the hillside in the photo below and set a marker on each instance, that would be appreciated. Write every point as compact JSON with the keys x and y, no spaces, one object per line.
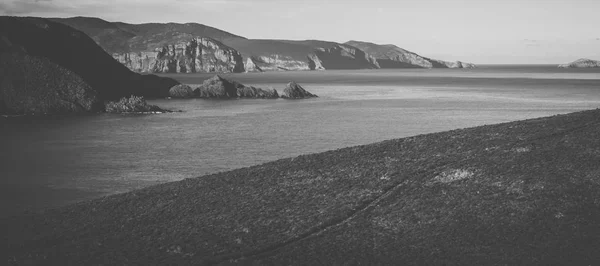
{"x":61,"y":50}
{"x":392,"y":56}
{"x":119,"y":37}
{"x":138,"y":47}
{"x":521,"y":193}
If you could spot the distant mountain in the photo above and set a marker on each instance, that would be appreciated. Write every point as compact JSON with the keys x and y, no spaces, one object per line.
{"x":582,"y":63}
{"x":172,"y":47}
{"x":48,"y":67}
{"x":392,"y":56}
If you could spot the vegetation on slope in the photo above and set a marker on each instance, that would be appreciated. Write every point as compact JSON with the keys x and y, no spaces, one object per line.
{"x":35,"y":85}
{"x":515,"y":193}
{"x":73,"y":50}
{"x":132,"y":104}
{"x":119,"y":37}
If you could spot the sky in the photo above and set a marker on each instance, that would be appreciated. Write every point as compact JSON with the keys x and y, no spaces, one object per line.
{"x":477,"y":31}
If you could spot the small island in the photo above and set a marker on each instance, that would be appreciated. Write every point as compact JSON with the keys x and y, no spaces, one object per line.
{"x":218,"y":87}
{"x":582,"y":63}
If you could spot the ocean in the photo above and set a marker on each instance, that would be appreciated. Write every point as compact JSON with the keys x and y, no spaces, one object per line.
{"x":53,"y":161}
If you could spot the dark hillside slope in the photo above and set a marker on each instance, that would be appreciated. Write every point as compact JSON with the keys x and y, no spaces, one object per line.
{"x":522,"y":193}
{"x":75,"y":51}
{"x":119,"y":37}
{"x":108,"y":35}
{"x":35,"y":85}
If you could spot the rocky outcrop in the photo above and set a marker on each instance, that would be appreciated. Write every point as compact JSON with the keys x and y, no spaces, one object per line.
{"x":199,"y":55}
{"x":181,"y":91}
{"x":36,"y":85}
{"x":344,"y":57}
{"x":70,"y":53}
{"x":582,"y":63}
{"x":392,"y":56}
{"x":314,"y":62}
{"x":447,"y":64}
{"x":218,"y":87}
{"x":295,"y":91}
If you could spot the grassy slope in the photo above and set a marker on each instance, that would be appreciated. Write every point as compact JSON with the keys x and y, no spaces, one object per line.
{"x":77,"y":52}
{"x":119,"y":37}
{"x":516,"y":193}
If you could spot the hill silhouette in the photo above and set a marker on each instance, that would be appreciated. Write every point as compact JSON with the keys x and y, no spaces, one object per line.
{"x":76,"y":53}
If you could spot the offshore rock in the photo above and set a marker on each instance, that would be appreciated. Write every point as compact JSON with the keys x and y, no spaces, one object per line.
{"x":219,"y":87}
{"x":181,"y":91}
{"x":582,"y":63}
{"x":295,"y":91}
{"x":199,"y":55}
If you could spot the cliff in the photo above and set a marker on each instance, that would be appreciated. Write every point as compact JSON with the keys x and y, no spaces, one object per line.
{"x":519,"y":193}
{"x":345,"y":57}
{"x":275,"y":62}
{"x":71,"y":53}
{"x":203,"y":55}
{"x":156,"y":47}
{"x":284,"y":55}
{"x":582,"y":63}
{"x":392,"y":56}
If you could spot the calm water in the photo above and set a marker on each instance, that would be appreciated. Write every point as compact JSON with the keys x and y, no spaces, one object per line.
{"x":49,"y":162}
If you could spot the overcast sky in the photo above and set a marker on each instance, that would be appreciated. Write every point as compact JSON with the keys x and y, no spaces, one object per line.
{"x":478,"y":31}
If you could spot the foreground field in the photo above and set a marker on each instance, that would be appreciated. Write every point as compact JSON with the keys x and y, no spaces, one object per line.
{"x":524,"y":192}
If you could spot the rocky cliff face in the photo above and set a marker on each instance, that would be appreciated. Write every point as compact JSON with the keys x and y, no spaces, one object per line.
{"x":392,"y":56}
{"x":336,"y":57}
{"x":275,"y":62}
{"x":345,"y":57}
{"x":203,"y":55}
{"x":582,"y":63}
{"x":447,"y":64}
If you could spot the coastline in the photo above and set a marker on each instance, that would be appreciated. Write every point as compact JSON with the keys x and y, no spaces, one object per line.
{"x":432,"y":196}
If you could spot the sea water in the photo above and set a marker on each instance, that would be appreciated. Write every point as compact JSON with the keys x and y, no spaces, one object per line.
{"x":53,"y":161}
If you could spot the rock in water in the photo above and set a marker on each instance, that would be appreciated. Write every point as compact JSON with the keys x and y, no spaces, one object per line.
{"x":36,"y":85}
{"x":582,"y":63}
{"x":219,"y":87}
{"x":181,"y":91}
{"x":295,"y":91}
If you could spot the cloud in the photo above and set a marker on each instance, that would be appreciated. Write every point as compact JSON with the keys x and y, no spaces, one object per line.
{"x":25,"y":7}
